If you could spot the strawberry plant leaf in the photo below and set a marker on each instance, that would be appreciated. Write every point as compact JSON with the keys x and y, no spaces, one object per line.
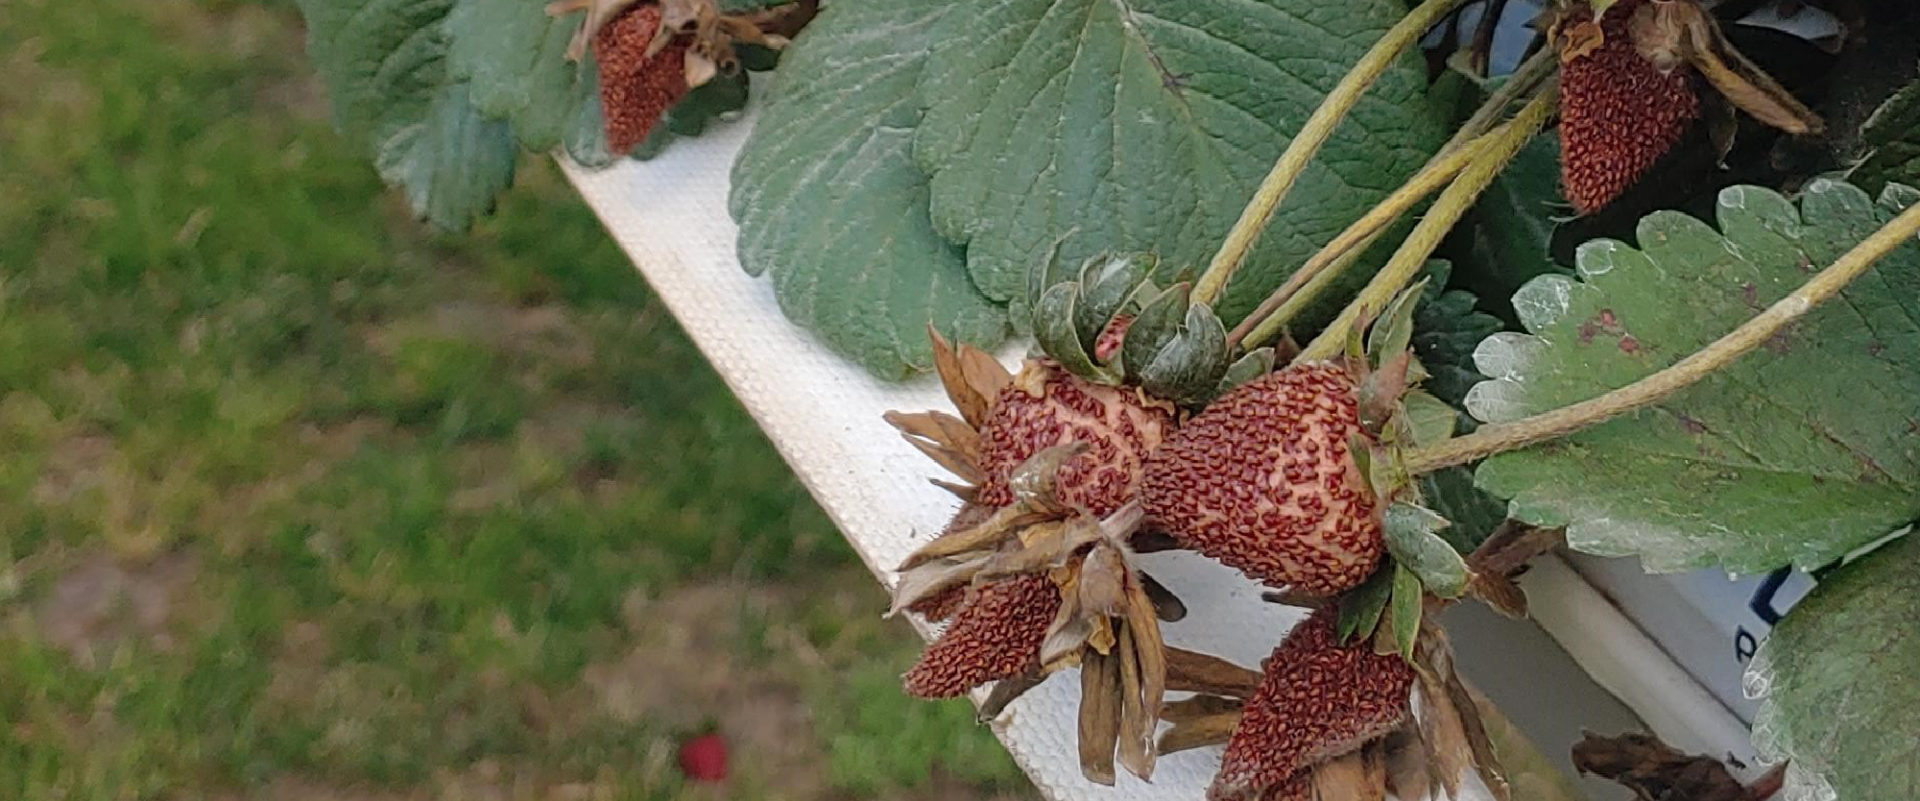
{"x":1891,"y":137}
{"x":514,"y":57}
{"x":1146,"y":124}
{"x":1360,"y":609}
{"x":1472,"y":513}
{"x":1413,"y":537}
{"x":1841,"y":679}
{"x":1513,"y":223}
{"x":831,"y":205}
{"x":1797,"y":453}
{"x":386,"y":66}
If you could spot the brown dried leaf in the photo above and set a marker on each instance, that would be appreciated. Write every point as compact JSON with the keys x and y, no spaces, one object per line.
{"x":1655,"y":771}
{"x":1357,"y":776}
{"x":1579,"y":39}
{"x":1449,"y":754}
{"x":1103,"y":586}
{"x":1100,"y":715}
{"x":986,"y":535}
{"x":932,"y":578}
{"x":1407,"y":763}
{"x":1192,"y":671}
{"x":1199,"y":732}
{"x":944,"y":438}
{"x":1199,"y":706}
{"x":1139,"y":703}
{"x":1500,"y":593}
{"x":1006,"y":691}
{"x":965,"y":379}
{"x":1167,"y":606}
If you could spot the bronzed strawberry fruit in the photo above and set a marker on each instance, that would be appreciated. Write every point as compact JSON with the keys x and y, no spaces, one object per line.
{"x":1263,"y":480}
{"x":996,"y":635}
{"x":1045,"y":406}
{"x":1318,"y":700}
{"x":636,"y":88}
{"x":1619,"y":112}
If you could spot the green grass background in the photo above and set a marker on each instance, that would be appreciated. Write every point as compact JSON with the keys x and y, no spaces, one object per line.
{"x":299,"y":499}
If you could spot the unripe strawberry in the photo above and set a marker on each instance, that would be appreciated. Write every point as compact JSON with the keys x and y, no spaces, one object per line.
{"x":637,"y":89}
{"x":1263,"y":481}
{"x":1045,"y":406}
{"x":1619,"y":112}
{"x":1318,"y":700}
{"x":996,"y":635}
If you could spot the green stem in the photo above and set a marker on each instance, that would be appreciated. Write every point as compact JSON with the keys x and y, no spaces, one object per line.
{"x":1500,"y":437}
{"x":1307,"y":142}
{"x":1307,"y":283}
{"x":1452,"y":204}
{"x":1266,"y":321}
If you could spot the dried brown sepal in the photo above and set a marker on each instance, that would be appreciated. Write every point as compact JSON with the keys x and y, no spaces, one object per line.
{"x":930,"y":433}
{"x":1100,"y":715}
{"x":1141,"y":641}
{"x":1199,"y":731}
{"x":935,"y":590}
{"x":1359,"y":775}
{"x":1671,"y":32}
{"x":1408,"y":763}
{"x":971,"y":377}
{"x":999,"y":526}
{"x":1167,"y":606}
{"x":1442,"y":686}
{"x":1006,"y":691}
{"x":1199,"y":706}
{"x":1137,"y":721}
{"x":1192,"y":671}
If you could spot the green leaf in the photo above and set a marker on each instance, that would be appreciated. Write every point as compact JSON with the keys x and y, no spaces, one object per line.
{"x":1447,"y":326}
{"x":1513,"y":223}
{"x":1797,"y":453}
{"x":1413,"y":537}
{"x":830,"y":202}
{"x":514,"y":56}
{"x":1841,"y":678}
{"x":1146,"y":124}
{"x":1408,"y":606}
{"x":385,"y":65}
{"x":1360,"y":609}
{"x":1473,"y":514}
{"x":1892,"y":138}
{"x":1430,"y":418}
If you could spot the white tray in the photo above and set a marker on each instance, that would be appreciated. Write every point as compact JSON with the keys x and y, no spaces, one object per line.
{"x":823,"y":414}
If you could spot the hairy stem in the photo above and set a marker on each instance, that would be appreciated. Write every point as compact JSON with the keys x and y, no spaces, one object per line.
{"x":1307,"y":283}
{"x":1300,"y":152}
{"x":1500,"y":148}
{"x":1496,"y":438}
{"x":1279,"y":308}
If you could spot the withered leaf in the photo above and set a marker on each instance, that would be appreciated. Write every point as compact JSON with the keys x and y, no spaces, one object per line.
{"x":927,"y":580}
{"x":1192,"y":671}
{"x":972,"y":377}
{"x":1655,"y":771}
{"x":1100,"y":683}
{"x":1449,"y":754}
{"x":986,"y":535}
{"x":1006,"y":691}
{"x":1359,"y":775}
{"x":1737,"y":78}
{"x":1199,"y":732}
{"x":1198,"y":706}
{"x":1139,"y":700}
{"x":1407,"y":762}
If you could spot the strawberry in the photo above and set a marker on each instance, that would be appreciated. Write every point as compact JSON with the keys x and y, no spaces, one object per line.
{"x":1619,"y":112}
{"x":1043,"y":407}
{"x":995,"y":635}
{"x":704,"y":758}
{"x":1317,"y":700}
{"x":1263,"y":481}
{"x":636,"y":88}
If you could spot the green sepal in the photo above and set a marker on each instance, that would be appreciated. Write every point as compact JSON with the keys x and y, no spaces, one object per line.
{"x":1412,"y":535}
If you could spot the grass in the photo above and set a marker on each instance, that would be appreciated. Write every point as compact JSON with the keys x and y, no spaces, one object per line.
{"x":301,"y":500}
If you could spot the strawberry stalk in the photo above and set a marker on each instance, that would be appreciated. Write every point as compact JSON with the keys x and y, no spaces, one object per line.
{"x":1497,"y":438}
{"x":1306,"y":284}
{"x":1300,"y":152}
{"x":1503,"y":144}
